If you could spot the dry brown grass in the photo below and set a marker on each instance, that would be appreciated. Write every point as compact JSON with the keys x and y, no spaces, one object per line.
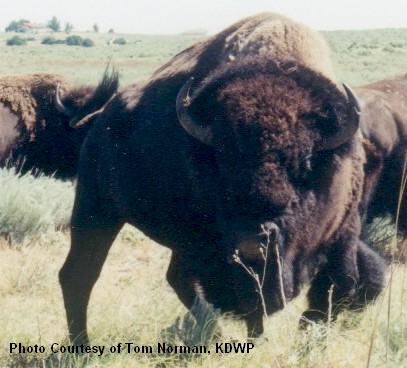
{"x":132,"y":302}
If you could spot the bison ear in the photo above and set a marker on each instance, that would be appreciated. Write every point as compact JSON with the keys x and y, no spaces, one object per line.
{"x":194,"y":128}
{"x":346,"y":122}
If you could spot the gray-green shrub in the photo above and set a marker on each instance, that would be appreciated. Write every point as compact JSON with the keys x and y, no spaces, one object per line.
{"x":16,"y":41}
{"x":87,"y":42}
{"x":74,"y":40}
{"x":31,"y":205}
{"x":120,"y":41}
{"x":49,"y":40}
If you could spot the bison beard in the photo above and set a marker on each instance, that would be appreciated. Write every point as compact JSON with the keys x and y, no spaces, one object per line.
{"x":256,"y":141}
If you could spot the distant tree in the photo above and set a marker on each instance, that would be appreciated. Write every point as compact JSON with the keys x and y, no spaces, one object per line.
{"x":68,"y":28}
{"x":17,"y":26}
{"x":111,"y":31}
{"x":95,"y":28}
{"x":54,"y":24}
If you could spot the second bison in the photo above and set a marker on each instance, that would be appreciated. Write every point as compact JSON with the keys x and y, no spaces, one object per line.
{"x":37,"y":113}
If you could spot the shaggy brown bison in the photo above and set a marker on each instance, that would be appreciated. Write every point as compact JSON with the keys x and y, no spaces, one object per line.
{"x":384,"y":125}
{"x":243,"y":132}
{"x":35,"y":121}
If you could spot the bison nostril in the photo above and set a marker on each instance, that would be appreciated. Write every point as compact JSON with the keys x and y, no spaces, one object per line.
{"x":250,"y":247}
{"x":248,"y":252}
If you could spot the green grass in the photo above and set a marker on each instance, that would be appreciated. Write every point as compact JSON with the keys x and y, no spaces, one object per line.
{"x":365,"y":56}
{"x":359,"y":56}
{"x":136,"y":60}
{"x":132,"y":302}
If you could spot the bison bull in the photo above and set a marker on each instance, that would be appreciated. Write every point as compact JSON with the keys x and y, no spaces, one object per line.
{"x":36,"y":122}
{"x":243,"y":132}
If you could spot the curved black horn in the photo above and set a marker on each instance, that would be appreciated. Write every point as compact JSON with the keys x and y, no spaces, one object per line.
{"x":348,"y":124}
{"x":58,"y":103}
{"x":203,"y":133}
{"x":352,"y":99}
{"x":87,"y":118}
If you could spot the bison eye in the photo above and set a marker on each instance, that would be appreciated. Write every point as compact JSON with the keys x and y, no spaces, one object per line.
{"x":305,"y":171}
{"x":306,"y":164}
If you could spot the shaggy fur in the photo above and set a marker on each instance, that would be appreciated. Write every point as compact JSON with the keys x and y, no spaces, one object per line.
{"x":41,"y":137}
{"x":269,"y":112}
{"x":21,"y":94}
{"x":268,"y":35}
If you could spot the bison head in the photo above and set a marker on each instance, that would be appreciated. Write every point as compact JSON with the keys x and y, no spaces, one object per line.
{"x":81,"y":105}
{"x":53,"y":145}
{"x":284,"y":148}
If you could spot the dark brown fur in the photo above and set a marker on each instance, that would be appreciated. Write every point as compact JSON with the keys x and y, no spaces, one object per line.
{"x":269,"y":114}
{"x":384,"y":126}
{"x":33,"y":133}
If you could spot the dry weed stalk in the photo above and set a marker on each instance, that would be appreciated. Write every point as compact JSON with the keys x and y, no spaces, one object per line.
{"x":329,"y":321}
{"x":255,"y":276}
{"x":264,"y":251}
{"x":394,"y":249}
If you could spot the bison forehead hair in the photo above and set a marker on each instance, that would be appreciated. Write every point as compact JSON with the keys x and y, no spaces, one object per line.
{"x":269,"y":110}
{"x":268,"y":119}
{"x":265,"y":106}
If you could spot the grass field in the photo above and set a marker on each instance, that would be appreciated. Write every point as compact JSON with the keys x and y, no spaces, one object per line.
{"x":359,"y":56}
{"x":136,"y":60}
{"x":132,"y":301}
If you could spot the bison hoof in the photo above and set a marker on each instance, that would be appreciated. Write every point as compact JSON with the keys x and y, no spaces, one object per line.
{"x":258,"y":341}
{"x":310,"y":317}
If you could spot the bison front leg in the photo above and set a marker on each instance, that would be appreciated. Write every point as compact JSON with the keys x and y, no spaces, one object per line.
{"x":80,"y":272}
{"x":354,"y":273}
{"x":187,"y":284}
{"x":183,"y":280}
{"x":254,"y":324}
{"x":372,"y":271}
{"x":92,"y":234}
{"x":335,"y":285}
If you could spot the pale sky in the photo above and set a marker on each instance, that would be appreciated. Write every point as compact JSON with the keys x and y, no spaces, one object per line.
{"x":174,"y":16}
